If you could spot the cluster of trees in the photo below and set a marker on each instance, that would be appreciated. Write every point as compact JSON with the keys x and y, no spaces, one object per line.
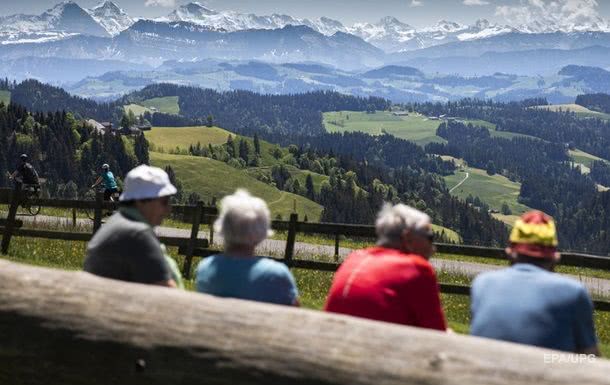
{"x":600,"y":172}
{"x":247,"y":113}
{"x":66,"y":152}
{"x":563,"y":127}
{"x":7,"y":85}
{"x":595,"y":102}
{"x":40,"y":97}
{"x":548,"y":180}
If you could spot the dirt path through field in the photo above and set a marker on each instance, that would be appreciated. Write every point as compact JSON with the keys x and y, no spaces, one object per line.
{"x":461,"y":183}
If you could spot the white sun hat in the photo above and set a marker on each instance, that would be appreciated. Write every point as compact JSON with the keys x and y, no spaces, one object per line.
{"x":146,"y":182}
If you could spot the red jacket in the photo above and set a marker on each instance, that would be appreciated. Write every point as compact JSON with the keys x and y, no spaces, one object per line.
{"x":387,"y":285}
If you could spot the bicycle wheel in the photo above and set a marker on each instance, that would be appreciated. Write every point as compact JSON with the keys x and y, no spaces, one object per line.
{"x":33,"y":209}
{"x":90,"y":213}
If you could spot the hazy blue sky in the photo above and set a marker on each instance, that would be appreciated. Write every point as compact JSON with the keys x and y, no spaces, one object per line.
{"x":415,"y":12}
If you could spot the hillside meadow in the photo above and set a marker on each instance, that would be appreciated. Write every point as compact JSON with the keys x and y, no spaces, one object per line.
{"x":414,"y":127}
{"x":214,"y":179}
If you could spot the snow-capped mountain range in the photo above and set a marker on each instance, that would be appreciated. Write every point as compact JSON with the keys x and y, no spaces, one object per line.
{"x":391,"y":35}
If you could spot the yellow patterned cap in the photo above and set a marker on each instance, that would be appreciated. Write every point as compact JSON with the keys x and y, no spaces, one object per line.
{"x":535,"y":235}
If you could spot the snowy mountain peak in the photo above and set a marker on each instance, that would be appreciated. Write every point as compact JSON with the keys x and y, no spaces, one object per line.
{"x":63,"y":8}
{"x":482,"y":24}
{"x":392,"y":22}
{"x":193,"y":11}
{"x":108,"y":7}
{"x":448,"y":26}
{"x":111,"y":17}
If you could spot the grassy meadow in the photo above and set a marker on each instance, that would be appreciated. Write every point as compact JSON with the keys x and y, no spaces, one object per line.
{"x":495,"y":190}
{"x":211,"y":178}
{"x":136,"y":109}
{"x":584,"y":158}
{"x":5,"y":97}
{"x":166,"y":105}
{"x":579,"y":110}
{"x":182,"y":137}
{"x":415,"y":127}
{"x":171,"y":138}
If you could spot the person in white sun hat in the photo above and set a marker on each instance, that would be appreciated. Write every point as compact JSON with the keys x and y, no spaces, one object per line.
{"x":126,"y":247}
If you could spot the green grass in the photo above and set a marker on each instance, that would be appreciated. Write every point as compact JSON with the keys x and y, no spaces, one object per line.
{"x":166,"y":105}
{"x":495,"y":190}
{"x":584,"y":158}
{"x":136,"y":109}
{"x":313,"y":285}
{"x":416,"y":128}
{"x":166,"y":138}
{"x":183,"y":137}
{"x":5,"y":97}
{"x":565,"y":108}
{"x":478,"y":122}
{"x":580,"y":111}
{"x":211,"y":178}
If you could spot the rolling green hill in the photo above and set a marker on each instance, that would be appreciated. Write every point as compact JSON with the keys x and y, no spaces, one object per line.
{"x":211,"y":178}
{"x":494,"y":190}
{"x":581,"y":111}
{"x":414,"y":127}
{"x":166,"y":105}
{"x":195,"y":171}
{"x":182,"y":137}
{"x":136,"y":109}
{"x":5,"y":97}
{"x":584,"y":158}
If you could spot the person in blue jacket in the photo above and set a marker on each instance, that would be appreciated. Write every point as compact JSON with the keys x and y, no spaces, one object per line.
{"x":110,"y":186}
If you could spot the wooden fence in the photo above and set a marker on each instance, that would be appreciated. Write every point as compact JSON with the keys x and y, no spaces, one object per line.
{"x":199,"y":214}
{"x":95,"y":331}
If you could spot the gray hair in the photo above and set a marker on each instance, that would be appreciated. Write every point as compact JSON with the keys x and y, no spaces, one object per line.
{"x":244,"y":219}
{"x":393,"y":220}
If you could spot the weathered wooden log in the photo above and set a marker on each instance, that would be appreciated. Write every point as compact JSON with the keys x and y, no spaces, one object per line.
{"x":59,"y":327}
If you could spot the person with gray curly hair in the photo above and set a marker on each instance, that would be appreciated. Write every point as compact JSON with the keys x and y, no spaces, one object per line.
{"x":244,"y":222}
{"x":392,"y":281}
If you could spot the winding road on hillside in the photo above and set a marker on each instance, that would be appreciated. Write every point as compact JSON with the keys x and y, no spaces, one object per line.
{"x":461,"y":183}
{"x":275,"y":247}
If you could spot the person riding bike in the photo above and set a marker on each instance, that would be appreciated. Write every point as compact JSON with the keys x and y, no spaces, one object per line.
{"x":110,"y":186}
{"x":25,"y":174}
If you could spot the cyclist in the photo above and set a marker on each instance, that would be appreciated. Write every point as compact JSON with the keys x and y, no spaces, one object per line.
{"x":110,"y":186}
{"x":26,"y":175}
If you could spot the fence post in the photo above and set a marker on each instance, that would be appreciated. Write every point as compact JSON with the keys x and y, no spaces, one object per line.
{"x":73,"y":217}
{"x":292,"y":233}
{"x":336,"y":247}
{"x":211,"y":227}
{"x":190,"y":248}
{"x":10,"y":219}
{"x":97,"y":213}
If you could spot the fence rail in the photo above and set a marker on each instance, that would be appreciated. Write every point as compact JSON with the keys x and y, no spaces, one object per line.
{"x":196,"y":215}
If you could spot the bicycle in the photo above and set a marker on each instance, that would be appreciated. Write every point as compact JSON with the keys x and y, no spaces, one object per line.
{"x":90,"y":212}
{"x":28,"y":192}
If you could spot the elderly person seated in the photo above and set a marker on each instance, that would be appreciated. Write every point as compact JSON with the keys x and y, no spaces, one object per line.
{"x":528,"y":303}
{"x":393,"y":281}
{"x":244,"y":222}
{"x":126,"y":248}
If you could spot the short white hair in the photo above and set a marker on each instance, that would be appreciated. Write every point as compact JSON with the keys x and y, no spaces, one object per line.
{"x":393,"y":220}
{"x":244,"y":219}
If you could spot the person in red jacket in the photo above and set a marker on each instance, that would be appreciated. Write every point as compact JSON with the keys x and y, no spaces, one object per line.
{"x":393,"y":281}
